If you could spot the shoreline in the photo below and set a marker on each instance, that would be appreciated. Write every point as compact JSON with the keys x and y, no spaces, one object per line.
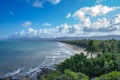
{"x":79,"y":50}
{"x":51,"y":67}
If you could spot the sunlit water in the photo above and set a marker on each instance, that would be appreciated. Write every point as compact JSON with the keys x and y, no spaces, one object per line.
{"x":21,"y":58}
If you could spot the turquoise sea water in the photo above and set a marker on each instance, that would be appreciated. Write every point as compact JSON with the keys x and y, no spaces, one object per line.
{"x":20,"y":58}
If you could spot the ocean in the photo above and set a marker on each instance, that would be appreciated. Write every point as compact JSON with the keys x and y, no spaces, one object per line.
{"x":25,"y":58}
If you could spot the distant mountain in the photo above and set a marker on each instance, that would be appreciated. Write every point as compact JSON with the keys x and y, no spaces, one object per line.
{"x":117,"y":37}
{"x":32,"y":39}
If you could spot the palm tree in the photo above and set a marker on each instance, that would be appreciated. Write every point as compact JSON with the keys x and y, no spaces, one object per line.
{"x":91,"y":48}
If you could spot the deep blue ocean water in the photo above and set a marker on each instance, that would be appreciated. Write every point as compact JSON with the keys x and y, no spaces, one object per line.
{"x":20,"y":58}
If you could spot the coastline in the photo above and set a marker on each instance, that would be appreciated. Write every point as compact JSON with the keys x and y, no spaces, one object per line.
{"x":34,"y":74}
{"x":79,"y":50}
{"x":37,"y":72}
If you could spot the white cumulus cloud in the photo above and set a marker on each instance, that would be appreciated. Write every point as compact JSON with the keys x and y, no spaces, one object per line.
{"x":47,"y":24}
{"x":37,"y":4}
{"x":86,"y":13}
{"x":68,"y":15}
{"x":40,"y":3}
{"x":99,"y":1}
{"x":116,"y":20}
{"x":27,"y":24}
{"x":96,"y":10}
{"x":54,"y":1}
{"x":58,"y":31}
{"x":100,"y":25}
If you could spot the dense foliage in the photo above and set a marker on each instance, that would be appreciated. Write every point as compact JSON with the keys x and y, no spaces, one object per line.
{"x":97,"y":66}
{"x":110,"y":76}
{"x":103,"y":46}
{"x":78,"y":66}
{"x":68,"y":75}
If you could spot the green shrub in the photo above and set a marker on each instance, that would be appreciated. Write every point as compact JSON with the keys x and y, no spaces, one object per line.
{"x":110,"y":76}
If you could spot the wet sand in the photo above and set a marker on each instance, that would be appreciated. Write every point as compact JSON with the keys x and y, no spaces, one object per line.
{"x":80,"y":50}
{"x":77,"y":48}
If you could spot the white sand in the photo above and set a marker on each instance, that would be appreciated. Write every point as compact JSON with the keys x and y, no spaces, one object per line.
{"x":80,"y":50}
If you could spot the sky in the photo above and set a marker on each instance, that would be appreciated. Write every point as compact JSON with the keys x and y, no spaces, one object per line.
{"x":59,"y":18}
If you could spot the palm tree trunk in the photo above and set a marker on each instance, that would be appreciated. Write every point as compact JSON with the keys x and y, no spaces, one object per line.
{"x":91,"y":55}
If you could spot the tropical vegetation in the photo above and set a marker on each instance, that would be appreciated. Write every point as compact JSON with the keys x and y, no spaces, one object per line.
{"x":105,"y":66}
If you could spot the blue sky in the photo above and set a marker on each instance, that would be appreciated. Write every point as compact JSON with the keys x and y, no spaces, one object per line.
{"x":59,"y":18}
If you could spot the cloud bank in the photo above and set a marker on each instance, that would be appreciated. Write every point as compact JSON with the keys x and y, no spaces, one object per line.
{"x":40,"y":3}
{"x":87,"y":26}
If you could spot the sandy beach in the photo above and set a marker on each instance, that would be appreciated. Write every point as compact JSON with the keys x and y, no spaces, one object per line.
{"x":80,"y":50}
